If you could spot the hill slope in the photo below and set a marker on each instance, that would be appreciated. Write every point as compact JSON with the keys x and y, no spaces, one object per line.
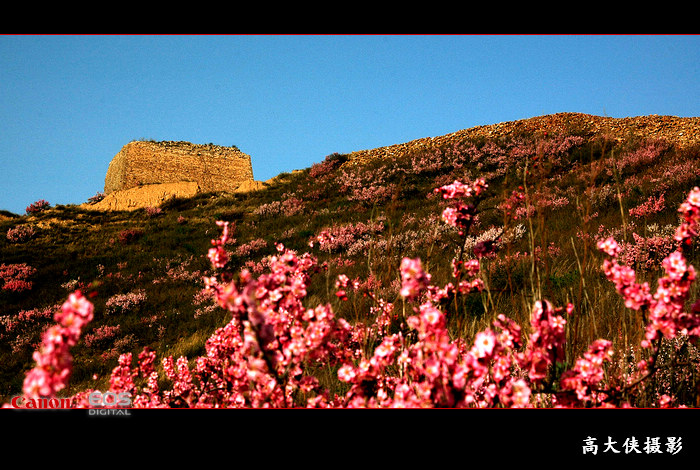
{"x":556,"y":184}
{"x":682,"y":131}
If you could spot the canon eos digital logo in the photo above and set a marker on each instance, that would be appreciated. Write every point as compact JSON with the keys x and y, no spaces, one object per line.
{"x":99,"y":403}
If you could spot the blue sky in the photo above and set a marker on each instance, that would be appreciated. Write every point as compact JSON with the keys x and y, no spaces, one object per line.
{"x":68,"y":104}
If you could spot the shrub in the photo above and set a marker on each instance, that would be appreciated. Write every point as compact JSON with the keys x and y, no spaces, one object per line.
{"x":642,"y":155}
{"x":649,"y":207}
{"x":100,"y":334}
{"x":328,"y":165}
{"x":251,"y":247}
{"x":288,"y":206}
{"x":96,"y":198}
{"x":339,"y":237}
{"x":130,"y":235}
{"x":14,"y":277}
{"x":153,"y":211}
{"x":20,"y":233}
{"x":37,"y":207}
{"x":123,"y":303}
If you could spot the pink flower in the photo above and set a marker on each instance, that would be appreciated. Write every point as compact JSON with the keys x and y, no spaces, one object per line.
{"x":346,"y":373}
{"x":636,"y":295}
{"x":450,"y":216}
{"x":53,"y":359}
{"x":484,"y":248}
{"x":546,"y":345}
{"x":675,"y":265}
{"x":414,"y":279}
{"x":38,"y":383}
{"x":520,"y":393}
{"x":217,"y":255}
{"x":80,"y":305}
{"x":455,"y":190}
{"x":431,"y":316}
{"x":609,"y":246}
{"x":342,"y":281}
{"x":484,"y":343}
{"x":460,"y":215}
{"x":588,"y":371}
{"x":694,"y":197}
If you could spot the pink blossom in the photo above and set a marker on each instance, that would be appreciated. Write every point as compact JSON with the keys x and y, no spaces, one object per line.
{"x":414,"y":279}
{"x":53,"y":359}
{"x":546,"y":345}
{"x":676,"y":267}
{"x":649,"y":207}
{"x":217,"y":255}
{"x":37,"y":206}
{"x":20,"y":233}
{"x":609,"y":246}
{"x":484,"y":343}
{"x":665,"y":307}
{"x":14,"y":277}
{"x":588,"y":372}
{"x":459,"y":190}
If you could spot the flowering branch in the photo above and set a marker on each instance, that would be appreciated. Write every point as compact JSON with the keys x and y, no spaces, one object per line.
{"x":53,"y":359}
{"x":666,"y":318}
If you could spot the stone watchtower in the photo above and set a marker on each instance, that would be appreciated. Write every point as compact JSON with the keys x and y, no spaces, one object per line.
{"x":212,"y":167}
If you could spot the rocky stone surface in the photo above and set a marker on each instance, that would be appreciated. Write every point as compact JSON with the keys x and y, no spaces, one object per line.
{"x":150,"y":195}
{"x":153,"y":195}
{"x":212,"y":167}
{"x":682,"y":131}
{"x":250,"y":185}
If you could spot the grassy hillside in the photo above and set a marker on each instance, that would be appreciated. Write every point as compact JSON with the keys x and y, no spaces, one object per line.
{"x":549,"y":200}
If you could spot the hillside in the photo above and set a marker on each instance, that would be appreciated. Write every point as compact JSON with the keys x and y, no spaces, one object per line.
{"x":682,"y":131}
{"x":556,"y":185}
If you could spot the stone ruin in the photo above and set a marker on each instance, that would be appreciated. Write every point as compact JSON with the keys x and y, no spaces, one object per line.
{"x":146,"y":173}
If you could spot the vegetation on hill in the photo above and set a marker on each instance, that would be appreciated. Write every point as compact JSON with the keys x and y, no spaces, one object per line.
{"x":547,"y":203}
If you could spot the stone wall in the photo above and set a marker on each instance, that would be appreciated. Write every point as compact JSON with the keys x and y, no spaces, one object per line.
{"x":212,"y":167}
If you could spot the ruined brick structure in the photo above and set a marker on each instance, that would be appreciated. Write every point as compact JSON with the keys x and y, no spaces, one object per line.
{"x":212,"y":167}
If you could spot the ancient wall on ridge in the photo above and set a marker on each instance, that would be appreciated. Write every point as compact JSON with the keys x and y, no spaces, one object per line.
{"x":212,"y":167}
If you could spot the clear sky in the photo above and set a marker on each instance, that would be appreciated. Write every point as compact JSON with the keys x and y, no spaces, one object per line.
{"x":68,"y":104}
